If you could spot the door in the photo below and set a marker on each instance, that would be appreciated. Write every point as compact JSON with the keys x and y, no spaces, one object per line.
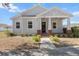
{"x":43,"y":27}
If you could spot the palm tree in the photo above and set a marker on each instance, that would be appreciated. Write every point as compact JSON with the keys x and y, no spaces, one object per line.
{"x":6,"y":5}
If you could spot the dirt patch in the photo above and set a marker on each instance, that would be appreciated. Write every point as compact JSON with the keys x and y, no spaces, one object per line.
{"x":64,"y":42}
{"x":13,"y":42}
{"x":70,"y":41}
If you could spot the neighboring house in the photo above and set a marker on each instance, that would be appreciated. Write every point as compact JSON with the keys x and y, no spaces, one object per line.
{"x":72,"y":25}
{"x":4,"y":27}
{"x":39,"y":20}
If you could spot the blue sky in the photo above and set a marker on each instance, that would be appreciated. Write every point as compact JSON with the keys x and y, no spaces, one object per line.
{"x":6,"y":14}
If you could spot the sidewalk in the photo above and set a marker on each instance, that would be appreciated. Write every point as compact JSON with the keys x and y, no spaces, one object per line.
{"x":46,"y":43}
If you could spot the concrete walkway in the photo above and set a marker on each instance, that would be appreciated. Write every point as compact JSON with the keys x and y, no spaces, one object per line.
{"x":46,"y":43}
{"x":48,"y":49}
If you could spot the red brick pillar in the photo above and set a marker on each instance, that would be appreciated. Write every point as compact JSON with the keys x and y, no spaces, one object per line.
{"x":39,"y":32}
{"x":49,"y":32}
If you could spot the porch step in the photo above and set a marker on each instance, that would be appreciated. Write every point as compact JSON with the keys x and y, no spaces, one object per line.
{"x":44,"y":34}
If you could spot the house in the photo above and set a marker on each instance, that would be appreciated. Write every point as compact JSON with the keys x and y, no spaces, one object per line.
{"x":4,"y":27}
{"x":39,"y":20}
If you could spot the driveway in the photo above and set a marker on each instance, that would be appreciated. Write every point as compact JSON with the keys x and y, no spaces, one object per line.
{"x":65,"y":51}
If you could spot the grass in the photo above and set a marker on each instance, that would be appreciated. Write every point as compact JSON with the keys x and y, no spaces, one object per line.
{"x":70,"y":41}
{"x":3,"y":35}
{"x":9,"y":43}
{"x":65,"y":42}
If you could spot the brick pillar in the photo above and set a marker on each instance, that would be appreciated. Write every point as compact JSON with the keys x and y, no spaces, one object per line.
{"x":39,"y":32}
{"x":49,"y":32}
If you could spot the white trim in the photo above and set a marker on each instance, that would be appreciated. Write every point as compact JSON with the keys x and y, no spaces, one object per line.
{"x":49,"y":24}
{"x":40,"y":24}
{"x":54,"y":16}
{"x":22,"y":26}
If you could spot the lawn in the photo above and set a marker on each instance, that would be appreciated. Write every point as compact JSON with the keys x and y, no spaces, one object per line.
{"x":3,"y":35}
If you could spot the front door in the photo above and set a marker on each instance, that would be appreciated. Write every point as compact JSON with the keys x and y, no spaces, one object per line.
{"x":43,"y":27}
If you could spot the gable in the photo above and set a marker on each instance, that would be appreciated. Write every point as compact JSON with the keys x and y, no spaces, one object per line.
{"x":55,"y":12}
{"x":34,"y":11}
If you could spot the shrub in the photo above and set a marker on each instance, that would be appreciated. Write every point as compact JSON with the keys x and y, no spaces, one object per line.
{"x":8,"y":33}
{"x":54,"y":38}
{"x":36,"y":38}
{"x":12,"y":34}
{"x":39,"y":36}
{"x":22,"y":35}
{"x":75,"y":32}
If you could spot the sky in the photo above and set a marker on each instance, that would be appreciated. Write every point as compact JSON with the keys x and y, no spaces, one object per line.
{"x":16,"y":8}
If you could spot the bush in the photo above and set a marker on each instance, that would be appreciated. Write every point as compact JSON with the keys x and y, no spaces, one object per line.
{"x":39,"y":36}
{"x":54,"y":38}
{"x":22,"y":35}
{"x":9,"y":33}
{"x":12,"y":34}
{"x":75,"y":32}
{"x":36,"y":38}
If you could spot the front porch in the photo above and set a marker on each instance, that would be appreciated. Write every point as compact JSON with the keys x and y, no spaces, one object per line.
{"x":53,"y":25}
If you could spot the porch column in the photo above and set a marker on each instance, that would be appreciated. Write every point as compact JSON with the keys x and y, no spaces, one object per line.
{"x":68,"y":25}
{"x":22,"y":32}
{"x":49,"y":26}
{"x":39,"y":29}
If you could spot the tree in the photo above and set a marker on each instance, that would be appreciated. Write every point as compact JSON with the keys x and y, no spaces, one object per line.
{"x":6,"y":5}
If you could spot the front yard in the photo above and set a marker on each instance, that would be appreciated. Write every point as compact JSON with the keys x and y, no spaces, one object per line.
{"x":10,"y":43}
{"x":70,"y":41}
{"x":18,"y":45}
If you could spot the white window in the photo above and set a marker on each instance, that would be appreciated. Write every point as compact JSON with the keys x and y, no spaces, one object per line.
{"x":29,"y":24}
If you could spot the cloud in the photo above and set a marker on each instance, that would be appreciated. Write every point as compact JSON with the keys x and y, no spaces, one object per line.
{"x":12,"y":8}
{"x":76,"y":13}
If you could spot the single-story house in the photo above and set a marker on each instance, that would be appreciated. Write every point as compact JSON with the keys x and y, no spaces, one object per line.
{"x":39,"y":20}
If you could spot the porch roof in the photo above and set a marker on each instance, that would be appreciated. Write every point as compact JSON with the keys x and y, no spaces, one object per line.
{"x":55,"y":12}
